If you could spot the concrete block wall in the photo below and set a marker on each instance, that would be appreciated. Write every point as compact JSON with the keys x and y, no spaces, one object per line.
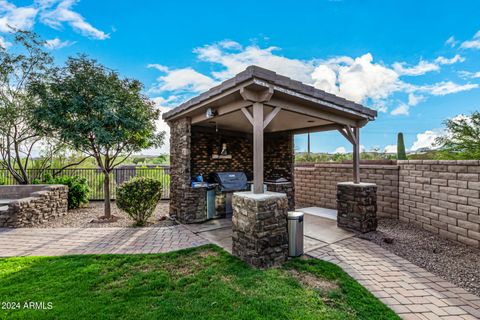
{"x":442,"y":197}
{"x":316,"y":185}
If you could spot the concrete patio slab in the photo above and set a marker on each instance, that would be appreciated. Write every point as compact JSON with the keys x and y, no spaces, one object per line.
{"x":221,"y":237}
{"x":320,"y":212}
{"x":324,"y":229}
{"x":210,"y":225}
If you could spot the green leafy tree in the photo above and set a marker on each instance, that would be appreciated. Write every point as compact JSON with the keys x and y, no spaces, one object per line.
{"x":18,"y":69}
{"x":462,"y":137}
{"x":401,"y":154}
{"x":91,"y":109}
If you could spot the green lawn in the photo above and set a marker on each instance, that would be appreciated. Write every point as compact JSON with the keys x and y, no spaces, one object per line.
{"x":202,"y":283}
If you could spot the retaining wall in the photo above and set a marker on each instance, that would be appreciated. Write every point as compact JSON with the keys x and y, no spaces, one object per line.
{"x":30,"y":205}
{"x":316,"y":185}
{"x":440,"y":196}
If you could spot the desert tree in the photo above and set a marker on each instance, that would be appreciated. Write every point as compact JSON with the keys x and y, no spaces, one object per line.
{"x":28,"y":63}
{"x":92,"y":109}
{"x":461,"y":139}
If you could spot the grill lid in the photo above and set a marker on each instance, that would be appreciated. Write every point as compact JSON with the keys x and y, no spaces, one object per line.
{"x":230,"y":181}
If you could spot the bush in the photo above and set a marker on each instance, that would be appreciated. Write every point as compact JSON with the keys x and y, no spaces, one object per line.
{"x":78,"y":190}
{"x":139,"y":197}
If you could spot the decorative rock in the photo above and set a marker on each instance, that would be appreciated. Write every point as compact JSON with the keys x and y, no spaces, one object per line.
{"x":260,"y":228}
{"x":357,"y":206}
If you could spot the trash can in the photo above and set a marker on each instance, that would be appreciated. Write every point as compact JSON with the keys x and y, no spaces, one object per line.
{"x":295,"y":233}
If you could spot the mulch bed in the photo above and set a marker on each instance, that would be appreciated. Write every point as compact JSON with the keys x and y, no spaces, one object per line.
{"x":452,"y":261}
{"x":88,"y":217}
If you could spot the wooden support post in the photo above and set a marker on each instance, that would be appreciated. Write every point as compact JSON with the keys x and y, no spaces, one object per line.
{"x":258,"y":147}
{"x":356,"y":155}
{"x":308,"y":146}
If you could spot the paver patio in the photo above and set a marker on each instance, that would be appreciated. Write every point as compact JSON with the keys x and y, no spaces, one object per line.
{"x":63,"y":241}
{"x":410,"y":291}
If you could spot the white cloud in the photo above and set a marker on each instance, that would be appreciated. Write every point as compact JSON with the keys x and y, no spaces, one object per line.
{"x":426,"y":140}
{"x":55,"y":16}
{"x":57,"y":43}
{"x":52,"y":13}
{"x":472,"y":44}
{"x":414,"y":99}
{"x":356,"y":79}
{"x":4,"y":43}
{"x":446,"y":87}
{"x":185,"y":79}
{"x":421,"y":68}
{"x":234,"y":58}
{"x":451,"y":42}
{"x":402,"y":109}
{"x":454,"y":59}
{"x":17,"y":17}
{"x":361,"y":79}
{"x":469,"y":74}
{"x":391,"y":148}
{"x":340,"y":150}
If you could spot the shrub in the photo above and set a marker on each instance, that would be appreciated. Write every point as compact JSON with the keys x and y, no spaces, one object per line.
{"x":78,"y":190}
{"x":139,"y":197}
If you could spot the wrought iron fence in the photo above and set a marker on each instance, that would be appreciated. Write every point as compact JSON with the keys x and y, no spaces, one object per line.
{"x":95,"y":177}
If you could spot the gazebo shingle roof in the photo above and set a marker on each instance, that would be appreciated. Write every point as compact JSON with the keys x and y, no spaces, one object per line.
{"x":271,"y":77}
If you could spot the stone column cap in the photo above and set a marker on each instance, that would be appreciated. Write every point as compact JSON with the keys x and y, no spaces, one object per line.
{"x":260,"y":196}
{"x":361,"y":184}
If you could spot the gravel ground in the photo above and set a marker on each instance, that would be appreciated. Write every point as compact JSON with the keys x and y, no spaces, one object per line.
{"x":82,"y":217}
{"x":452,"y":261}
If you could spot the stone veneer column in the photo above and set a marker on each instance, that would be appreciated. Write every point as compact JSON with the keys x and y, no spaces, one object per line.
{"x":180,"y":197}
{"x":357,"y":206}
{"x":260,"y":228}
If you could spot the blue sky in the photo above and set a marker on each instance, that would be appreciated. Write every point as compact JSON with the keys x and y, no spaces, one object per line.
{"x":417,"y":62}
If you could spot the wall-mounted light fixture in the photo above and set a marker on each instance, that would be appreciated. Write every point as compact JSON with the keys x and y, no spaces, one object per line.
{"x":210,"y":113}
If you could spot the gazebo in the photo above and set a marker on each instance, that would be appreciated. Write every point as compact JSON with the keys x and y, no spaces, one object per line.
{"x":247,"y":124}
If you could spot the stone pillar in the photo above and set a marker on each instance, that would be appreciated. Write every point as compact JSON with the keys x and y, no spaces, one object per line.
{"x":181,"y":201}
{"x":260,"y":228}
{"x":357,"y":206}
{"x":284,"y":187}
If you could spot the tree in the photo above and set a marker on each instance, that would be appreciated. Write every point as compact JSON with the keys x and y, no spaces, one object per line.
{"x":462,"y":137}
{"x":29,"y":63}
{"x":401,"y":154}
{"x":91,"y":109}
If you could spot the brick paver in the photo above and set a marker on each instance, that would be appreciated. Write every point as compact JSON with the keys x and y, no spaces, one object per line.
{"x":63,"y":241}
{"x":409,"y":290}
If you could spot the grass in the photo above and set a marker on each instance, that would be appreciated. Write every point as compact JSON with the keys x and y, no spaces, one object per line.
{"x":201,"y":283}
